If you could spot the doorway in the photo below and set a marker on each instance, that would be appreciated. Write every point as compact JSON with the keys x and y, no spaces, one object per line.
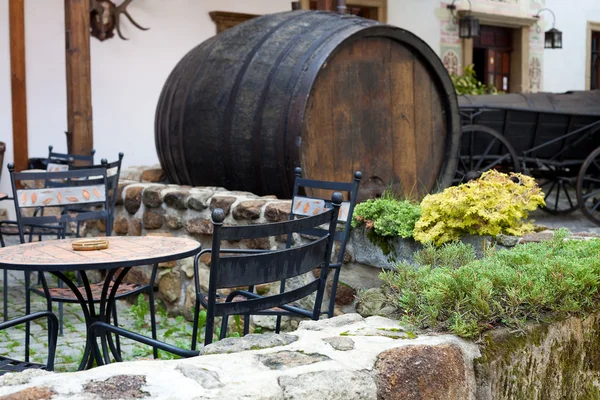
{"x":595,"y":61}
{"x":492,"y":56}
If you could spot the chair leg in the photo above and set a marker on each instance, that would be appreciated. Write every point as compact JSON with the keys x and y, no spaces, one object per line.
{"x":336,"y":277}
{"x":60,"y":311}
{"x":117,"y":340}
{"x":27,"y":312}
{"x":153,"y":320}
{"x":223,"y":327}
{"x":195,"y":326}
{"x":246,"y":324}
{"x":5,"y":294}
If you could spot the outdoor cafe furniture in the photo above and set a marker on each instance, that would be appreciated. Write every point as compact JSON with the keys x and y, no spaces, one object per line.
{"x":78,"y":191}
{"x":8,"y":364}
{"x":123,"y":252}
{"x":235,"y":268}
{"x":308,"y":196}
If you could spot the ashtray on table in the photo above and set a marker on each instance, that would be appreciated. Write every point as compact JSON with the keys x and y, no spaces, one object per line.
{"x":90,"y":244}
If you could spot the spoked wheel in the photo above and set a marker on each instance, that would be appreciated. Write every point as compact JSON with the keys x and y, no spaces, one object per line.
{"x":483,"y":149}
{"x":559,"y":186}
{"x":588,"y":187}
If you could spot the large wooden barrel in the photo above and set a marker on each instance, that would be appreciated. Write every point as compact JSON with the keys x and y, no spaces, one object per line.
{"x":327,"y":92}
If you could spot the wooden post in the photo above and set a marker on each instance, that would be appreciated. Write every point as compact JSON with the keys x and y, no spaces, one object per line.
{"x":327,"y":5}
{"x":305,"y":4}
{"x":80,"y":139}
{"x":16,"y":12}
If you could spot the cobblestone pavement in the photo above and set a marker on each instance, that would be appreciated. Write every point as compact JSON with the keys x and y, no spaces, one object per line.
{"x":132,"y":315}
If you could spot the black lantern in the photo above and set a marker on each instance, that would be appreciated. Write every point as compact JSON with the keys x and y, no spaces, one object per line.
{"x":552,"y":37}
{"x":468,"y":26}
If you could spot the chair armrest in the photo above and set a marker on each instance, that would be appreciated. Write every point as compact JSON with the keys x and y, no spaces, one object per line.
{"x":52,"y":331}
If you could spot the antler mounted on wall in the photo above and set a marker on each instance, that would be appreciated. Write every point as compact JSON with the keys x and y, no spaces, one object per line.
{"x":105,"y":17}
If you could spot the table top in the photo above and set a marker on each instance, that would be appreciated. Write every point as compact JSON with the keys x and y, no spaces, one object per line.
{"x":122,"y":251}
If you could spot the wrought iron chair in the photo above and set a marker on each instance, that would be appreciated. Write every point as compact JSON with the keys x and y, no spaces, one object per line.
{"x":234,"y":268}
{"x":82,"y":189}
{"x":300,"y":199}
{"x":11,"y":365}
{"x":304,"y":205}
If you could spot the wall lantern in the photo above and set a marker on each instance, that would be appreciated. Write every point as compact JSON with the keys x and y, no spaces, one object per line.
{"x":468,"y":26}
{"x":553,"y":37}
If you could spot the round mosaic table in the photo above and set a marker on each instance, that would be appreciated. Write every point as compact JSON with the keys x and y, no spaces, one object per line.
{"x":123,"y":252}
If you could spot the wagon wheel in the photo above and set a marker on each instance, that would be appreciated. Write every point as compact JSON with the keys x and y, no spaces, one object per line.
{"x":497,"y":153}
{"x":559,"y":190}
{"x":588,"y":187}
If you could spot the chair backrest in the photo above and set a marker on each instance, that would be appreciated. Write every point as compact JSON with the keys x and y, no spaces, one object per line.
{"x":113,"y":172}
{"x":244,"y":270}
{"x":304,"y":205}
{"x":57,"y":162}
{"x":81,"y":187}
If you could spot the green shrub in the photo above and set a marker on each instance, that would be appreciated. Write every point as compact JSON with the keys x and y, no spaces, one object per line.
{"x":387,"y":215}
{"x":467,"y":83}
{"x":493,"y":204}
{"x":532,"y":282}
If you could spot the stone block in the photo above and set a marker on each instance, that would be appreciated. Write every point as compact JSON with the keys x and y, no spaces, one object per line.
{"x":133,"y":198}
{"x":168,"y":264}
{"x":371,"y":302}
{"x":205,"y":258}
{"x":422,"y":372}
{"x":152,"y":197}
{"x":121,"y":226}
{"x":222,"y":202}
{"x":248,"y":209}
{"x":153,"y":175}
{"x":173,"y":222}
{"x":120,"y":187}
{"x":135,"y":227}
{"x":152,"y":220}
{"x":199,"y":199}
{"x":101,"y":225}
{"x":278,"y":211}
{"x":177,"y":199}
{"x":169,"y":286}
{"x":257,"y":243}
{"x":339,"y":385}
{"x":344,"y":294}
{"x":189,"y":302}
{"x":199,"y":226}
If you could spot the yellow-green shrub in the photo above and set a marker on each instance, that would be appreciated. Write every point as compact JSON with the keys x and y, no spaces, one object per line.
{"x":493,"y":204}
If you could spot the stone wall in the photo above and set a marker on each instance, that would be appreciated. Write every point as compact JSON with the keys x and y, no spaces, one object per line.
{"x":350,"y":358}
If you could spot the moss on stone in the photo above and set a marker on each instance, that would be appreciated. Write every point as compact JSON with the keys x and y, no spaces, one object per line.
{"x":547,"y":362}
{"x":385,"y":244}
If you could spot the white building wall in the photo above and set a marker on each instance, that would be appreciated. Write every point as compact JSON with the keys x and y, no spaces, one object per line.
{"x":127,"y":76}
{"x":419,"y":17}
{"x":564,"y":69}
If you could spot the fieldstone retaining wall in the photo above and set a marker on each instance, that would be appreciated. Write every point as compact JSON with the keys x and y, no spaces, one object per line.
{"x":349,"y":358}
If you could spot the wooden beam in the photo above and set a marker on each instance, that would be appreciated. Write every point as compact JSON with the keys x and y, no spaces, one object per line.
{"x":80,"y":139}
{"x":16,"y":13}
{"x":328,"y":5}
{"x":305,"y":4}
